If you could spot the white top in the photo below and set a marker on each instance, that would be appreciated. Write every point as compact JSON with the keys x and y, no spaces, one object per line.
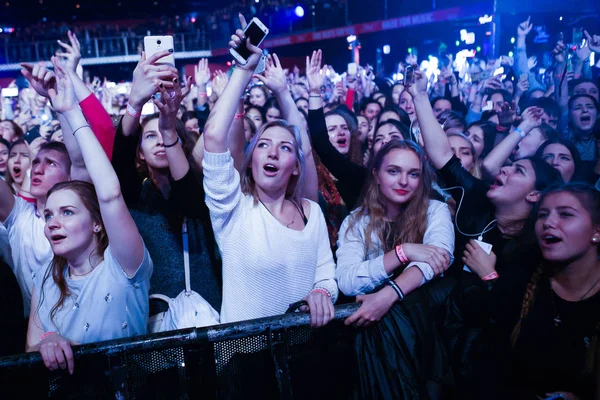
{"x":31,"y":251}
{"x":359,"y":272}
{"x":266,"y":266}
{"x":103,"y":305}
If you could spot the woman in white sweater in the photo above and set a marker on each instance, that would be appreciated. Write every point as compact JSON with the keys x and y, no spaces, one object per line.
{"x":273,"y":242}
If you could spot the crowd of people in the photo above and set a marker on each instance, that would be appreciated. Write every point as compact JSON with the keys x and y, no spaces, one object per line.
{"x":459,"y":207}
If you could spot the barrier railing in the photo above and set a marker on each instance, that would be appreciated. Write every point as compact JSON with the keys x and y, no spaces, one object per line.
{"x":271,"y":358}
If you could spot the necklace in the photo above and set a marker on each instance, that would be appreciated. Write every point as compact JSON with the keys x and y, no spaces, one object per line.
{"x":557,"y":319}
{"x":87,"y":273}
{"x":283,"y":223}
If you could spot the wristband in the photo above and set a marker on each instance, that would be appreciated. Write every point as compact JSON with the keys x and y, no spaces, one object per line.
{"x":239,"y":116}
{"x":315,"y":91}
{"x":166,"y":146}
{"x":322,"y":290}
{"x":490,"y":277}
{"x":203,"y":94}
{"x":520,"y":132}
{"x":396,"y":288}
{"x":45,"y":335}
{"x":81,"y":127}
{"x":401,"y":255}
{"x":133,"y":112}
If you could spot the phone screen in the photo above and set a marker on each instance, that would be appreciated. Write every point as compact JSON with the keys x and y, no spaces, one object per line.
{"x":409,"y":75}
{"x":255,"y":34}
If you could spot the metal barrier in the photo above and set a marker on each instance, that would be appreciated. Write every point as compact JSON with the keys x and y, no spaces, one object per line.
{"x":271,"y":358}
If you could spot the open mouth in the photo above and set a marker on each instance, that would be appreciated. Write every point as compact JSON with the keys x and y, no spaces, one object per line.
{"x":57,"y":238}
{"x":497,"y":183}
{"x":342,"y":142}
{"x":36,"y":181}
{"x":270,"y":168}
{"x":16,"y":172}
{"x":550,"y":239}
{"x":585,"y":119}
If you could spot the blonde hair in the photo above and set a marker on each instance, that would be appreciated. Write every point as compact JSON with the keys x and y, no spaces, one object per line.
{"x":296,"y":182}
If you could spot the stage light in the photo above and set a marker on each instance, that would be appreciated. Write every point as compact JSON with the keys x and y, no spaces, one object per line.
{"x":351,"y":38}
{"x":410,"y":50}
{"x":193,"y":20}
{"x":457,"y":43}
{"x":560,"y":19}
{"x":386,"y":49}
{"x":299,"y":11}
{"x":512,"y":40}
{"x":478,"y":49}
{"x":510,"y":54}
{"x":486,"y":19}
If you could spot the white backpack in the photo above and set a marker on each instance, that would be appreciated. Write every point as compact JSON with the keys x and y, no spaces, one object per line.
{"x":188,"y":309}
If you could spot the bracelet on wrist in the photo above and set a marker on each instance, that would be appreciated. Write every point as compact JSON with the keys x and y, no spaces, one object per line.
{"x":401,"y":255}
{"x":45,"y":335}
{"x":322,"y":290}
{"x":396,"y":288}
{"x":520,"y":132}
{"x":239,"y":116}
{"x":315,"y":91}
{"x":132,"y":111}
{"x":491,"y":276}
{"x":166,"y":146}
{"x":81,"y":127}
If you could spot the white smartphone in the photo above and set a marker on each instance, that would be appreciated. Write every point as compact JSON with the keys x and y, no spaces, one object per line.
{"x":256,"y":31}
{"x":352,"y":69}
{"x":154,"y":44}
{"x":10,"y":92}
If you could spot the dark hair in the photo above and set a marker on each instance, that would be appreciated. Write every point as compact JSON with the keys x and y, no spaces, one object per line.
{"x":19,"y":134}
{"x":403,"y":129}
{"x":59,"y":265}
{"x":572,"y":149}
{"x":579,"y":81}
{"x":5,"y":142}
{"x":506,"y":96}
{"x":368,"y":101}
{"x":545,"y":174}
{"x":300,"y":98}
{"x":489,"y":136}
{"x":271,"y":103}
{"x":550,"y":107}
{"x":578,"y":96}
{"x":404,"y":118}
{"x":548,"y":132}
{"x":436,"y":99}
{"x":451,"y":119}
{"x":188,"y":115}
{"x":7,"y":176}
{"x":261,"y":110}
{"x":486,"y":115}
{"x":355,"y":150}
{"x":589,"y":198}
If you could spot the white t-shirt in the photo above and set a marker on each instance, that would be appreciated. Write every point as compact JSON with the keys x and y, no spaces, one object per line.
{"x":31,"y":251}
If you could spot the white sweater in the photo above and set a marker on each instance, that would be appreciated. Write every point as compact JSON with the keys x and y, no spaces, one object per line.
{"x":360,"y":272}
{"x":266,"y":266}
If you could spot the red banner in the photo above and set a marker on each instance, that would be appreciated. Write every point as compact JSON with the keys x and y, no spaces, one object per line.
{"x":375,"y":26}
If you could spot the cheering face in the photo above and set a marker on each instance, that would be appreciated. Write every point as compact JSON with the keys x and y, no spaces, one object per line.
{"x":564,"y":228}
{"x":561,"y":159}
{"x":152,"y":149}
{"x":69,"y":225}
{"x":399,"y":176}
{"x":583,"y":114}
{"x":7,"y":131}
{"x":47,"y":169}
{"x":475,"y":135}
{"x":512,"y":184}
{"x":462,"y":150}
{"x":18,"y":163}
{"x":257,"y":97}
{"x":339,"y":134}
{"x":274,"y":160}
{"x":406,"y":103}
{"x":372,"y":110}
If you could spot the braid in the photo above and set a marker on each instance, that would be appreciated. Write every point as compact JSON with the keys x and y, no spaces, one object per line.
{"x":527,"y":303}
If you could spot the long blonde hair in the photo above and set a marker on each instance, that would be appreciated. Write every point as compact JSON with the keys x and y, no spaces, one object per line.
{"x":411,"y":222}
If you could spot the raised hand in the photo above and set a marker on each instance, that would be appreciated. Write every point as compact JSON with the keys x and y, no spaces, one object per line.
{"x":525,"y":27}
{"x":202,"y":73}
{"x":168,"y":105}
{"x":72,"y":54}
{"x":522,"y":85}
{"x":219,"y":82}
{"x":274,"y":77}
{"x":583,"y":52}
{"x":147,"y":77}
{"x":593,"y":41}
{"x":236,"y":41}
{"x":315,"y":74}
{"x":62,"y":95}
{"x":559,"y":51}
{"x":420,"y":85}
{"x":507,"y":113}
{"x":532,"y":117}
{"x":531,"y":62}
{"x":40,"y":78}
{"x":491,"y":84}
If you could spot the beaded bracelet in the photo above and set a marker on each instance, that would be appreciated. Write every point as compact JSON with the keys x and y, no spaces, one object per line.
{"x":322,"y":290}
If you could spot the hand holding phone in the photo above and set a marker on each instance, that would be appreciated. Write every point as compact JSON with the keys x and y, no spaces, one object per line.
{"x":254,"y":32}
{"x":352,"y":69}
{"x":409,"y":75}
{"x":155,"y":44}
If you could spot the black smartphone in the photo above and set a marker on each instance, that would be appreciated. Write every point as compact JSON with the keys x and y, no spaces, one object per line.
{"x":409,"y":75}
{"x":256,"y":31}
{"x":32,"y":134}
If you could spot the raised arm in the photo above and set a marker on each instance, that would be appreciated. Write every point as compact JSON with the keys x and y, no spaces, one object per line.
{"x":221,"y":117}
{"x":168,"y":106}
{"x":435,"y":139}
{"x":275,"y":79}
{"x":126,"y":243}
{"x":147,"y":78}
{"x":502,"y":151}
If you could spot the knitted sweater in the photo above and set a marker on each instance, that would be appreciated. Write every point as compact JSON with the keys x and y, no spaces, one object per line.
{"x":266,"y":266}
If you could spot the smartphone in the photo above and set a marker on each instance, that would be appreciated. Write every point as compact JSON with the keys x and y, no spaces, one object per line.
{"x":409,"y":75}
{"x":10,"y":92}
{"x":499,"y":71}
{"x":154,"y":44}
{"x":32,"y":134}
{"x":256,"y":31}
{"x":352,"y":69}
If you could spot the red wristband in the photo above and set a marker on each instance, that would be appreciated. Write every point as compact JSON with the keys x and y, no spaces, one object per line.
{"x":132,"y":111}
{"x":45,"y":335}
{"x":490,"y":277}
{"x":401,"y":255}
{"x":322,"y":290}
{"x":239,"y":116}
{"x":202,"y":94}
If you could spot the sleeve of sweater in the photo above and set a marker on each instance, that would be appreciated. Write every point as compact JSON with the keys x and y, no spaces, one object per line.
{"x":124,"y":164}
{"x":439,"y":233}
{"x":222,"y":188}
{"x":325,"y":273}
{"x":100,"y":122}
{"x":356,"y":273}
{"x":346,"y":172}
